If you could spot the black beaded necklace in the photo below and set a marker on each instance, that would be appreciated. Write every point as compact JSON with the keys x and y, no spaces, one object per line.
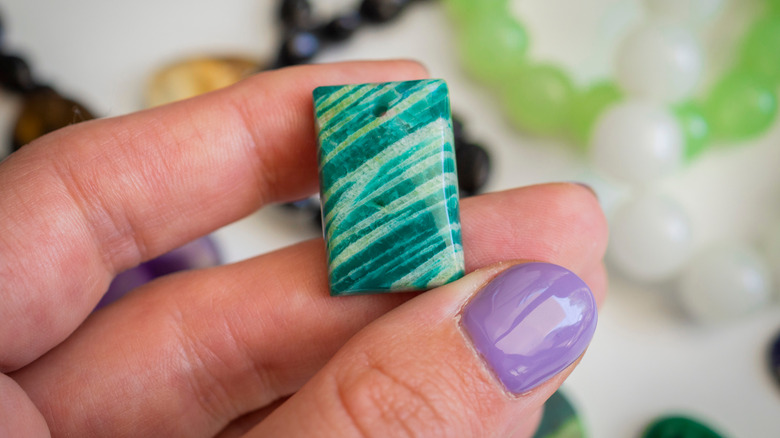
{"x":302,"y":38}
{"x":43,"y":109}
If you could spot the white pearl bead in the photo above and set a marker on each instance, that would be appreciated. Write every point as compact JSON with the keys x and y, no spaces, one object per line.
{"x":685,"y":11}
{"x":650,"y":238}
{"x":725,"y":283}
{"x":659,"y":61}
{"x":637,"y":142}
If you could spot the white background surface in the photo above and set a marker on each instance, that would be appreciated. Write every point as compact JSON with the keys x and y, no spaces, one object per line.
{"x":646,"y":359}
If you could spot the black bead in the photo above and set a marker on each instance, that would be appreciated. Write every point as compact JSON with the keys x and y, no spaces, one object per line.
{"x":15,"y":74}
{"x":296,"y":14}
{"x":381,"y":11}
{"x":473,"y":163}
{"x":341,"y":28}
{"x":457,"y":129}
{"x":774,"y":358}
{"x":298,"y":47}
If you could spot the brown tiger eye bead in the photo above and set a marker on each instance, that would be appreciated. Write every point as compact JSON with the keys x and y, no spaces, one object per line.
{"x":43,"y":111}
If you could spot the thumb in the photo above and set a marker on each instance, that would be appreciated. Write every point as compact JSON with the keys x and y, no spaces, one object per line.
{"x":477,"y":357}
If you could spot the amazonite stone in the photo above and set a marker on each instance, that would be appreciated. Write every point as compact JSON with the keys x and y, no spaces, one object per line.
{"x":559,"y":419}
{"x":388,"y":186}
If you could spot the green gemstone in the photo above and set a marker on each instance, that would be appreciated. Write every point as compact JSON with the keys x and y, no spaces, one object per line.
{"x":388,"y":186}
{"x":740,"y":106}
{"x":695,"y":128}
{"x":539,"y":98}
{"x":559,"y":419}
{"x":679,"y":427}
{"x":492,"y":46}
{"x":588,"y":105}
{"x":761,"y":47}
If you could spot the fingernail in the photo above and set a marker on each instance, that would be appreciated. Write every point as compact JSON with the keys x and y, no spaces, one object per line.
{"x":531,"y":322}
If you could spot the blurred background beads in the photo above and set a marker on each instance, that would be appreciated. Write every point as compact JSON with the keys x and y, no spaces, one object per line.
{"x":724,"y":283}
{"x":695,"y":128}
{"x":659,"y":61}
{"x":43,"y":109}
{"x":760,"y":48}
{"x":191,"y":77}
{"x":493,"y":46}
{"x":740,"y":106}
{"x":644,"y":125}
{"x":538,"y":99}
{"x":771,"y":248}
{"x":773,"y":358}
{"x":679,"y":426}
{"x":650,"y":238}
{"x":691,"y":12}
{"x":638,"y":142}
{"x":586,"y":106}
{"x":198,"y":254}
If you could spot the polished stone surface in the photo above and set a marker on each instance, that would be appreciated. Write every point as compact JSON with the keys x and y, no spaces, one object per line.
{"x":388,"y":186}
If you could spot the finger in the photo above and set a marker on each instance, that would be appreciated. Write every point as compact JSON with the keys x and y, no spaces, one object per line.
{"x":84,"y":203}
{"x":18,"y":414}
{"x":235,"y":338}
{"x":467,"y":359}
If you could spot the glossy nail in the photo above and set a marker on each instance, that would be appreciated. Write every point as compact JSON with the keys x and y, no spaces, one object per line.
{"x":531,"y":322}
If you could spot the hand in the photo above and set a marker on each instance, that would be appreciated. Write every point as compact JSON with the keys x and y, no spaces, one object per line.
{"x":257,"y":346}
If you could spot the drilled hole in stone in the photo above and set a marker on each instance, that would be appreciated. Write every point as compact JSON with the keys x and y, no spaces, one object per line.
{"x":380,"y":109}
{"x":382,"y":106}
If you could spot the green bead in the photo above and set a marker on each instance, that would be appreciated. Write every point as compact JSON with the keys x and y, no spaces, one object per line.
{"x":679,"y":427}
{"x":774,"y":6}
{"x":538,"y":99}
{"x":761,"y":49}
{"x":695,"y":126}
{"x":493,"y":46}
{"x":740,"y":106}
{"x":388,"y":186}
{"x":462,"y":10}
{"x":559,"y":419}
{"x":588,"y":105}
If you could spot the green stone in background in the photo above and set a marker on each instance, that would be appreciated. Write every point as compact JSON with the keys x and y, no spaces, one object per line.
{"x":695,"y":128}
{"x":740,"y":106}
{"x":587,"y":106}
{"x":538,"y":99}
{"x":388,"y":186}
{"x":464,"y":10}
{"x":679,"y":427}
{"x":559,"y":419}
{"x":761,"y":49}
{"x":492,"y":46}
{"x":774,"y":6}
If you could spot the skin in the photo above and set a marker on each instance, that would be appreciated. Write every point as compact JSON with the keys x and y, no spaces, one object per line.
{"x":257,"y":347}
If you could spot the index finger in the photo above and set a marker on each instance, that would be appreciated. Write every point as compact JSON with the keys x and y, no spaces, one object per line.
{"x":91,"y":200}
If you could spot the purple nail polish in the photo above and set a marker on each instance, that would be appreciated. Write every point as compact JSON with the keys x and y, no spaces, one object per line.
{"x":529,"y":323}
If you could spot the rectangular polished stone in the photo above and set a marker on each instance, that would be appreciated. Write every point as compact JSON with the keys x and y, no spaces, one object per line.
{"x":388,"y":186}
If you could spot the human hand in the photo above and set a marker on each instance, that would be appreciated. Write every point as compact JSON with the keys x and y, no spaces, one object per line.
{"x":257,"y":346}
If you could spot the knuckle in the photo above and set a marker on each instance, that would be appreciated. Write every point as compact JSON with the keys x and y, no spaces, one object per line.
{"x":379,"y":398}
